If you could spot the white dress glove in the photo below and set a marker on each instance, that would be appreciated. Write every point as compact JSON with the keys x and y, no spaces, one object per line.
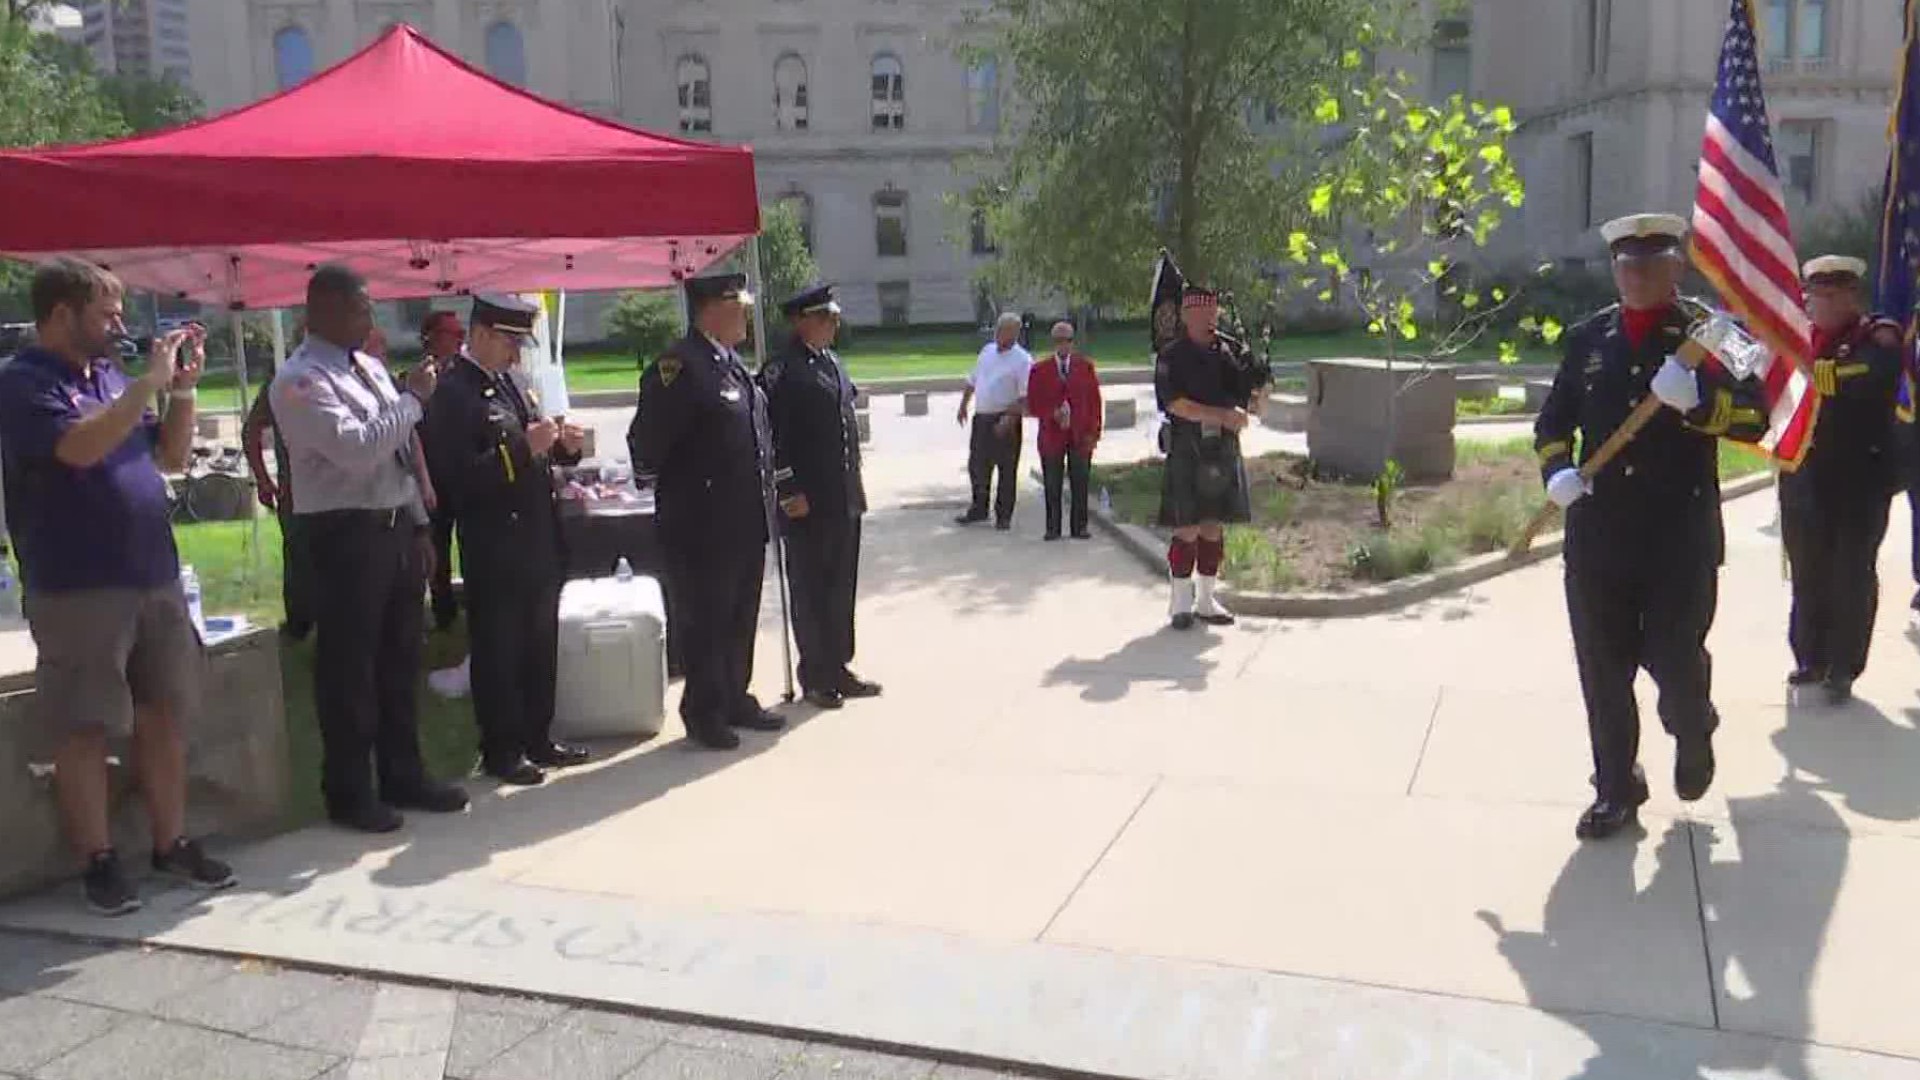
{"x":1676,"y":386}
{"x":1565,"y":487}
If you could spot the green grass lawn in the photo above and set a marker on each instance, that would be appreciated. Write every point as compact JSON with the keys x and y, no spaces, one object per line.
{"x":220,"y":555}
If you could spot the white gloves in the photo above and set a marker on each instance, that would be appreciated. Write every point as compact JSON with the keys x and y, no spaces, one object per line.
{"x":1676,"y":386}
{"x":1565,"y":487}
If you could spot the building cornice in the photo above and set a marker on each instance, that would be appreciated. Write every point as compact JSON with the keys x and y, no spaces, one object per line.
{"x":1780,"y":91}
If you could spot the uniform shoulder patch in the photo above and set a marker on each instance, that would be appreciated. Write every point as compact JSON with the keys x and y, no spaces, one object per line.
{"x":669,"y":368}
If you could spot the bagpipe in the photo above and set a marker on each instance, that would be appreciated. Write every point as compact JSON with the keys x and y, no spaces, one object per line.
{"x":1166,"y":327}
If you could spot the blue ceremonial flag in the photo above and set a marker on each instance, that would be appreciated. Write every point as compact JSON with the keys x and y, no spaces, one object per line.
{"x":1900,"y":221}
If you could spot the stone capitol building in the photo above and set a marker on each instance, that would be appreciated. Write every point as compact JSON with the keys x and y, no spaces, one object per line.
{"x":862,"y":115}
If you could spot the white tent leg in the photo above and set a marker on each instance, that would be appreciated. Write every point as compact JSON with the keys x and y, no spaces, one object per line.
{"x":238,"y":313}
{"x":756,"y":283}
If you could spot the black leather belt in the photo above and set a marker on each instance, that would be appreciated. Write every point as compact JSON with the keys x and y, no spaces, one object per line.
{"x":384,"y":519}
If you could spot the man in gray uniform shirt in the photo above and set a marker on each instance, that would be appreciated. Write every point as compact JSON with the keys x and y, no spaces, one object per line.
{"x":350,"y":433}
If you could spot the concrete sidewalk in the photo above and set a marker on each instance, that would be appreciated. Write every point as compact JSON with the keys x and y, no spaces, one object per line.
{"x":1072,"y":838}
{"x":71,"y":1010}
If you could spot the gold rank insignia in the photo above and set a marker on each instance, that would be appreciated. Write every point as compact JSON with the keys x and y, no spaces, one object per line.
{"x":533,"y":399}
{"x":1594,"y":363}
{"x":669,"y":369}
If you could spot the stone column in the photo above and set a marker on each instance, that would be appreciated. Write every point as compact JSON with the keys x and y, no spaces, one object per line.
{"x":446,"y":24}
{"x":342,"y":33}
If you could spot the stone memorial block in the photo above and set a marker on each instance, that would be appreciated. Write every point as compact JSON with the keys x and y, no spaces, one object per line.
{"x":1476,"y":387}
{"x":1122,"y":413}
{"x":1537,"y":391}
{"x":237,"y":778}
{"x":862,"y":401}
{"x":1353,"y":404}
{"x":1285,"y":412}
{"x":916,"y":402}
{"x":864,"y":422}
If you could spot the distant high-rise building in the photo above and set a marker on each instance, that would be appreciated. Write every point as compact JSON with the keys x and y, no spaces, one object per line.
{"x":139,"y":37}
{"x":61,"y":20}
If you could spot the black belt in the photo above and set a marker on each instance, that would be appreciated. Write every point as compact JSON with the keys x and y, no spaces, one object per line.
{"x":383,"y":519}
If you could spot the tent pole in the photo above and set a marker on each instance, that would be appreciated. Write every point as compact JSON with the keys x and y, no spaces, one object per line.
{"x":779,"y":544}
{"x":238,"y":312}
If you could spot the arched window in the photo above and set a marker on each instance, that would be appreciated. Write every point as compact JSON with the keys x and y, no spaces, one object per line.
{"x":890,"y":223}
{"x":507,"y":53}
{"x":802,"y":206}
{"x":889,"y":93}
{"x":790,"y":93}
{"x":696,"y":95}
{"x":983,"y":96}
{"x":292,"y":56}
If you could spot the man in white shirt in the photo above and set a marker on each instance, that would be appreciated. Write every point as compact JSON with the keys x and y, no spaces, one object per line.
{"x":998,"y":386}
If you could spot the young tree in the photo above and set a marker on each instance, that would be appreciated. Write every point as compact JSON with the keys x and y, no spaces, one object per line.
{"x":1184,"y":124}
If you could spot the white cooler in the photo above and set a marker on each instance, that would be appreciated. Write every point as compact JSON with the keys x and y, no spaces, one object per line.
{"x":613,"y":659}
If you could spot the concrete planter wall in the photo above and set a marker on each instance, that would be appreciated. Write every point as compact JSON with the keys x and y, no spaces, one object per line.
{"x":1347,"y":423}
{"x":237,"y":777}
{"x":1121,"y":413}
{"x":1286,"y":412}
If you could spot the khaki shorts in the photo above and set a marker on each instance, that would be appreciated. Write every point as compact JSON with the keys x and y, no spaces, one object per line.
{"x":105,"y":651}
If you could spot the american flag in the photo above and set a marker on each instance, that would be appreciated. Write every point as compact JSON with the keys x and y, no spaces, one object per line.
{"x":1743,"y":243}
{"x":1898,"y":291}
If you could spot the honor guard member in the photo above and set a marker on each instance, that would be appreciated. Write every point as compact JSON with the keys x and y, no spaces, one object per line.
{"x":1204,"y":395}
{"x":351,"y":434}
{"x":495,"y":455}
{"x":701,"y":433}
{"x":1644,"y":539}
{"x":1833,"y":509}
{"x":442,"y":343}
{"x":816,"y":463}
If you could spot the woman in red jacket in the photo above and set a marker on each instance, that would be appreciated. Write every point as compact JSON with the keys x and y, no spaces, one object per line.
{"x":1064,"y":392}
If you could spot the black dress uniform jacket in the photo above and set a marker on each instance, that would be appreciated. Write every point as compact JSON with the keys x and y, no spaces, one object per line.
{"x":1205,"y":478}
{"x":816,"y":430}
{"x":816,"y":451}
{"x":1643,"y":550}
{"x":512,"y":553}
{"x":701,"y":433}
{"x":1833,"y":509}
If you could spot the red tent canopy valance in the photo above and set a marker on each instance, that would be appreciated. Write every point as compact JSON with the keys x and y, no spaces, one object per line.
{"x":423,"y":173}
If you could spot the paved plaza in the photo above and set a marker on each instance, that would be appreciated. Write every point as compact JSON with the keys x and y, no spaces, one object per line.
{"x":1070,"y":838}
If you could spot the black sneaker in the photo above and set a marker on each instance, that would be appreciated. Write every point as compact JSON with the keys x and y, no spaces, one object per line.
{"x":188,"y":862}
{"x":106,"y":885}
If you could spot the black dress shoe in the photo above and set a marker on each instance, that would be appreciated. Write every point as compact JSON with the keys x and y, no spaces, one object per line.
{"x":295,"y":631}
{"x":1051,"y":534}
{"x":1611,"y":813}
{"x":1082,"y":534}
{"x":559,"y":755}
{"x":853,"y":686}
{"x":824,"y":698}
{"x":372,"y":817}
{"x":434,"y":798}
{"x":1805,"y":676}
{"x":760,"y":720}
{"x":1003,"y":526}
{"x":1839,"y":691}
{"x":718,"y":738}
{"x":969,"y":519}
{"x":519,"y":772}
{"x":1693,"y":768}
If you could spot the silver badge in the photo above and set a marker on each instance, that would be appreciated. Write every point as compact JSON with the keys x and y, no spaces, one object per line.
{"x":730,"y":394}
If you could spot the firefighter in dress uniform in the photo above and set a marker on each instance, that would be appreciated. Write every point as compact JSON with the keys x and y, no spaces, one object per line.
{"x":494,"y":454}
{"x":1833,"y":509}
{"x":1644,"y":538}
{"x":1204,"y":394}
{"x":701,"y":433}
{"x":816,"y":460}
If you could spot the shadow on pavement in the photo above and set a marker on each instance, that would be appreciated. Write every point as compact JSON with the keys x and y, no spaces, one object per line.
{"x":977,"y":569}
{"x":1172,"y":659}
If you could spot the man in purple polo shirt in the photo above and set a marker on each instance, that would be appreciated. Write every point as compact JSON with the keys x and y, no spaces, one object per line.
{"x":88,"y":510}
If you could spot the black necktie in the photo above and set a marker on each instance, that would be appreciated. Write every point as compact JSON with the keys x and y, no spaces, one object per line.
{"x":404,"y":455}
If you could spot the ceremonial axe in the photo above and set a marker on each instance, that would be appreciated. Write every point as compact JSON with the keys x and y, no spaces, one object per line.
{"x":1718,"y":336}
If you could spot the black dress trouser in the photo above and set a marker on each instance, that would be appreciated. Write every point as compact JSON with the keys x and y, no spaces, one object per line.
{"x":296,"y":570}
{"x":367,"y":580}
{"x":713,"y":589}
{"x":823,"y":570}
{"x":440,"y":586}
{"x":1072,"y":469}
{"x":988,"y":453}
{"x":1833,"y":545}
{"x":513,"y":624}
{"x":1648,"y":609}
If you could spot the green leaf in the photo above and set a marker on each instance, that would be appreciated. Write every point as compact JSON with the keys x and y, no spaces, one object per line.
{"x":1470,"y":301}
{"x":1502,"y":117}
{"x":1417,"y":121}
{"x":1408,"y":330}
{"x":1493,"y":154}
{"x":1550,"y":330}
{"x":1437,"y":268}
{"x":1529,"y":324}
{"x":1509,"y":353}
{"x":1499,"y":295}
{"x":1321,"y":200}
{"x":1328,"y":111}
{"x":1298,"y":246}
{"x":1326,"y":296}
{"x":1350,"y":60}
{"x":1375,"y":327}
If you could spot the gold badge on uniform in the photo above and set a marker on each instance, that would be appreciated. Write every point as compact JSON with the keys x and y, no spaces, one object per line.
{"x":1594,"y":363}
{"x":669,"y":369}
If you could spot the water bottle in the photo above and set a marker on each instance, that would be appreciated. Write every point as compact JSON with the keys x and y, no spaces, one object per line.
{"x":190,"y":584}
{"x":623,"y":570}
{"x":1106,"y":501}
{"x":9,"y":586}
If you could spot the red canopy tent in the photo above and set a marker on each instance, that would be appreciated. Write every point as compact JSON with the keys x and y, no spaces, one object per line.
{"x":419,"y":171}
